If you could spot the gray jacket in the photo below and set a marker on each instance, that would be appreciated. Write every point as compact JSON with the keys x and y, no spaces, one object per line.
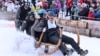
{"x":38,"y":26}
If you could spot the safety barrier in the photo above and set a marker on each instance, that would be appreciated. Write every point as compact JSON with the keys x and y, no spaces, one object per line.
{"x":86,"y":27}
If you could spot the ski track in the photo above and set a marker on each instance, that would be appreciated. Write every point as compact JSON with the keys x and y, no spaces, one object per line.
{"x":16,"y":43}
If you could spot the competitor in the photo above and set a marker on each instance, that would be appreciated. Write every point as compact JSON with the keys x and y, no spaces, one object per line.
{"x":27,"y":24}
{"x":21,"y":15}
{"x":52,"y":35}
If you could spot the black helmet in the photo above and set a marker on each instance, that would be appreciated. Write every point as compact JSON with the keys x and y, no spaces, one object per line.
{"x":31,"y":14}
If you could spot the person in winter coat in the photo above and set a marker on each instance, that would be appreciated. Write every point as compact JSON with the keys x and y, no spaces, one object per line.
{"x":84,"y":11}
{"x":51,"y":34}
{"x":10,"y":6}
{"x":45,"y":5}
{"x":76,"y":8}
{"x":49,"y":3}
{"x":97,"y":15}
{"x":58,"y":4}
{"x":27,"y":24}
{"x":21,"y":15}
{"x":34,"y":30}
{"x":81,"y":1}
{"x":54,"y":8}
{"x":68,"y":7}
{"x":62,"y":5}
{"x":91,"y":15}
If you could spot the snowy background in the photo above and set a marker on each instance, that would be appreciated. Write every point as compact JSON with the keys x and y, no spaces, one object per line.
{"x":16,"y":43}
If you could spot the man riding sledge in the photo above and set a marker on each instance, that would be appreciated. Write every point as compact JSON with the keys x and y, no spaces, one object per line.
{"x":52,"y":35}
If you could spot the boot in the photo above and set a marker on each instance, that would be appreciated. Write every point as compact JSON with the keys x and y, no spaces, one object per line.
{"x":83,"y":52}
{"x":69,"y":52}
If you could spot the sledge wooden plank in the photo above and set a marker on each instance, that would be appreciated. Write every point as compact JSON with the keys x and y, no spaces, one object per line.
{"x":72,"y":23}
{"x":73,"y":30}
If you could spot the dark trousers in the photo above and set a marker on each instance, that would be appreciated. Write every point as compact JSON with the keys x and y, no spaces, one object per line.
{"x":72,"y":42}
{"x":54,"y":40}
{"x":68,"y":10}
{"x":52,"y":36}
{"x":18,"y":23}
{"x":66,"y":40}
{"x":26,"y":27}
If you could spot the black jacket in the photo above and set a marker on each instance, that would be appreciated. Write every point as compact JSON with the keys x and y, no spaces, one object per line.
{"x":22,"y":13}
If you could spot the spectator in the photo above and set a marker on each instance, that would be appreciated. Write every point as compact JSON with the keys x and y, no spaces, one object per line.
{"x":10,"y":6}
{"x":76,"y":8}
{"x":91,"y":15}
{"x":98,"y":7}
{"x":0,"y":4}
{"x":87,"y":2}
{"x":38,"y":5}
{"x":16,"y":6}
{"x":97,"y":14}
{"x":81,"y":1}
{"x":58,"y":4}
{"x":68,"y":6}
{"x":54,"y":8}
{"x":45,"y":4}
{"x":84,"y":12}
{"x":94,"y":6}
{"x":49,"y":3}
{"x":62,"y":4}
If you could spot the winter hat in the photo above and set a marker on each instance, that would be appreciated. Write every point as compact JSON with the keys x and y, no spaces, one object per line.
{"x":42,"y":11}
{"x":51,"y":13}
{"x":31,"y":14}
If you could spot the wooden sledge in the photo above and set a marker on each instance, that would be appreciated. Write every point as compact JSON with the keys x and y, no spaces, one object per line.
{"x":56,"y":47}
{"x":39,"y":43}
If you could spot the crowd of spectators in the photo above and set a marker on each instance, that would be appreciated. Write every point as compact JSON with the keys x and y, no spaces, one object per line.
{"x":84,"y":9}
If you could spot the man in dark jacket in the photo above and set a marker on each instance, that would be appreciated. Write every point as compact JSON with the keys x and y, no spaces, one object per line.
{"x":27,"y":24}
{"x":52,"y":35}
{"x":21,"y":15}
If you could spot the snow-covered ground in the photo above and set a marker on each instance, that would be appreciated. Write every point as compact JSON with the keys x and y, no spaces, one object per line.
{"x":16,"y":43}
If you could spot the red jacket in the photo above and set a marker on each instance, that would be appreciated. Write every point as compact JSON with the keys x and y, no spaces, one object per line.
{"x":69,"y":3}
{"x":81,"y":1}
{"x":91,"y":16}
{"x":44,"y":4}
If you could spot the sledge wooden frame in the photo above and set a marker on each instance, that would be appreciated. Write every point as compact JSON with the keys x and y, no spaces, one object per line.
{"x":39,"y":43}
{"x":78,"y":35}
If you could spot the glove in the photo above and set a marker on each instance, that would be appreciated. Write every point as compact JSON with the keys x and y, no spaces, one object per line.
{"x":44,"y":29}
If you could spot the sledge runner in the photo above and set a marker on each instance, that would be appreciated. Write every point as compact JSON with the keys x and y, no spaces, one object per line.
{"x":52,"y":35}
